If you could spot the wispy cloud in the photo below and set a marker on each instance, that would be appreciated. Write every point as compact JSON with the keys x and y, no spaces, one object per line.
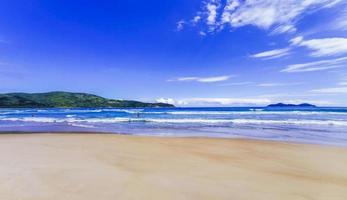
{"x":276,"y":53}
{"x":237,"y":84}
{"x":334,"y":90}
{"x":261,"y":84}
{"x":254,"y":101}
{"x":202,"y":33}
{"x":296,"y":40}
{"x":278,"y":84}
{"x":168,"y":100}
{"x":268,"y":84}
{"x":340,"y":23}
{"x":180,"y":25}
{"x":316,"y":66}
{"x":215,"y":101}
{"x":320,"y":47}
{"x":278,"y":15}
{"x":289,"y":28}
{"x":211,"y":79}
{"x":212,"y":12}
{"x":323,"y":46}
{"x":196,"y":19}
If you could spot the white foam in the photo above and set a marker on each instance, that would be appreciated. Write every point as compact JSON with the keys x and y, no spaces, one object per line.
{"x":81,"y":125}
{"x":291,"y":121}
{"x":255,"y":112}
{"x":34,"y":119}
{"x":187,"y":120}
{"x":181,"y":120}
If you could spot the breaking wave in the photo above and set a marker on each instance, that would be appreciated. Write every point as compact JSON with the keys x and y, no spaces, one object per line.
{"x":177,"y":121}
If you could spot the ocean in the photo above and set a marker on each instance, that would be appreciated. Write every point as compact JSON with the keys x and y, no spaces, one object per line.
{"x":321,"y":125}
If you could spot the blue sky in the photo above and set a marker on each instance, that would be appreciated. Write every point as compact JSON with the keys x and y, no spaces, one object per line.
{"x":190,"y":53}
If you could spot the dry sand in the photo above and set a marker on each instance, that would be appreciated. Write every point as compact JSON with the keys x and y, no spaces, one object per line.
{"x":109,"y":167}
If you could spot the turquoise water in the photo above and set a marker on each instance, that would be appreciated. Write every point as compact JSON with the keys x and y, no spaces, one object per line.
{"x":312,"y":125}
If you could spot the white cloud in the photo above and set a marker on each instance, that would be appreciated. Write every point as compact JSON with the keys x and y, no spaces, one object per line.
{"x":187,"y":79}
{"x":212,"y":13}
{"x":289,"y":28}
{"x":296,"y":40}
{"x":324,"y":46}
{"x":279,"y":15}
{"x":268,"y":85}
{"x":343,"y":83}
{"x":166,"y":100}
{"x":196,"y":19}
{"x":202,"y":33}
{"x":261,"y":84}
{"x":340,"y":23}
{"x":277,"y":84}
{"x":319,"y":47}
{"x":335,"y":90}
{"x":216,"y":101}
{"x":276,"y":53}
{"x":211,"y":79}
{"x":236,"y":84}
{"x":180,"y":25}
{"x":316,"y":66}
{"x":254,"y":101}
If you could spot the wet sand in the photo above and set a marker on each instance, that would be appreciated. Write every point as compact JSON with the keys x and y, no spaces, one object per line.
{"x":108,"y":167}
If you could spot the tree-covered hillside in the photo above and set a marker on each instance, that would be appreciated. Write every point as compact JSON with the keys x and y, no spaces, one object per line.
{"x":67,"y":100}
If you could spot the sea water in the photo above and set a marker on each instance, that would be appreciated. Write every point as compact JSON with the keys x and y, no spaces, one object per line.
{"x":308,"y":125}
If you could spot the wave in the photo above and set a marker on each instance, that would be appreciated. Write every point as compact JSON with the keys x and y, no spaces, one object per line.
{"x":252,"y":121}
{"x":291,"y":122}
{"x":123,"y":110}
{"x":81,"y":125}
{"x":71,"y":120}
{"x":256,"y":109}
{"x":4,"y":112}
{"x":255,"y":113}
{"x":178,"y":121}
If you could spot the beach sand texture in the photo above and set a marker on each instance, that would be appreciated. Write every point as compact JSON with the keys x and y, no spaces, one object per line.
{"x":105,"y":167}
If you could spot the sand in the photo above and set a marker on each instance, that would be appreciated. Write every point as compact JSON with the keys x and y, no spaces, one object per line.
{"x":105,"y":167}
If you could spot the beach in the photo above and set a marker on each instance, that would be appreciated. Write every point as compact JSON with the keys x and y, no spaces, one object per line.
{"x":110,"y":166}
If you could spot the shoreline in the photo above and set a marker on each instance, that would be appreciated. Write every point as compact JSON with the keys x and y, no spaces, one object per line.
{"x":110,"y":166}
{"x":166,"y":136}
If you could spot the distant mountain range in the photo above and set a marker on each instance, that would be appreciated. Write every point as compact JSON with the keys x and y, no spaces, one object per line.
{"x":68,"y":100}
{"x":282,"y":105}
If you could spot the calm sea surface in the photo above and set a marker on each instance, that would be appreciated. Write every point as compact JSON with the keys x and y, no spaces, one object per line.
{"x":312,"y":125}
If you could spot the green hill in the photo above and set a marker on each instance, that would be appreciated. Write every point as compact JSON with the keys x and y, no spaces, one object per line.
{"x":68,"y":100}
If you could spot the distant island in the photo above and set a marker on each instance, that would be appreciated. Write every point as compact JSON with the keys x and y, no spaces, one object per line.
{"x":68,"y":100}
{"x":282,"y":105}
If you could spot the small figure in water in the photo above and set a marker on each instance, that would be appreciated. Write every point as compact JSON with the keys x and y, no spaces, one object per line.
{"x":138,"y":115}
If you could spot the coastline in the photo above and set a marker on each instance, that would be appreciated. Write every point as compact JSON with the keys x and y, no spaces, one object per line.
{"x":326,"y":126}
{"x":109,"y":166}
{"x":241,"y":138}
